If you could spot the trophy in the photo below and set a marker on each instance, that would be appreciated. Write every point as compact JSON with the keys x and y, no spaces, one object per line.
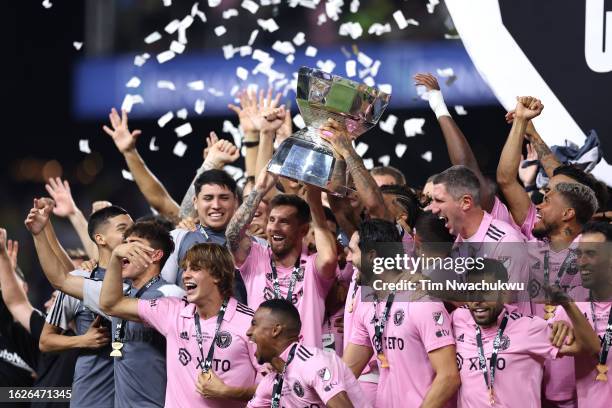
{"x":305,"y":156}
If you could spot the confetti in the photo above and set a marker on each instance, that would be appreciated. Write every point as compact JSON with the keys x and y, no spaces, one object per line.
{"x":200,"y":104}
{"x":213,"y":3}
{"x":179,"y":148}
{"x":361,"y":148}
{"x":152,"y":146}
{"x":220,"y":30}
{"x":400,"y":149}
{"x":166,"y":85}
{"x":245,"y":50}
{"x":165,"y":56}
{"x":399,"y":18}
{"x":354,"y":7}
{"x":183,"y":130}
{"x":228,"y":127}
{"x":460,"y":110}
{"x":311,"y":51}
{"x":374,"y":68}
{"x":242,"y":73}
{"x":364,"y":59}
{"x":127,"y":175}
{"x":235,"y":172}
{"x":268,"y":25}
{"x":426,"y":156}
{"x":172,"y":26}
{"x":139,"y":60}
{"x":369,"y":81}
{"x":333,"y":8}
{"x":151,"y":38}
{"x":229,"y":13}
{"x":283,"y":47}
{"x":166,"y":117}
{"x":445,"y":72}
{"x":352,"y":29}
{"x":250,"y":5}
{"x":84,"y":146}
{"x":299,"y":39}
{"x":177,"y":47}
{"x":432,"y":5}
{"x":351,"y":68}
{"x":389,"y":124}
{"x":196,"y":12}
{"x":77,"y":45}
{"x":368,"y":163}
{"x":182,"y":113}
{"x":261,"y":56}
{"x":229,"y":51}
{"x":321,"y":19}
{"x":215,"y":92}
{"x":134,"y":82}
{"x":167,"y":3}
{"x":327,"y":65}
{"x":290,"y":58}
{"x":451,"y":37}
{"x":129,"y":101}
{"x":413,"y":126}
{"x":196,"y":85}
{"x":384,"y":160}
{"x":253,"y":37}
{"x":47,"y":4}
{"x":379,"y":29}
{"x":298,"y":121}
{"x":386,"y":88}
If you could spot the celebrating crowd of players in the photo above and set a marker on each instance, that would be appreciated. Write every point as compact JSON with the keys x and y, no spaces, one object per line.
{"x":262,"y":296}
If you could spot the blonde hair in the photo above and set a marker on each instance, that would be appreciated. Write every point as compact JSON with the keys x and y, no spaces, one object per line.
{"x":216,"y":260}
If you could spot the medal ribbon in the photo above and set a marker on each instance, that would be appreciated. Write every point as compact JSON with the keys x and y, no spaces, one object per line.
{"x":276,"y":285}
{"x":199,"y":338}
{"x":379,"y":326}
{"x":277,"y":388}
{"x":605,"y":346}
{"x":482,"y":360}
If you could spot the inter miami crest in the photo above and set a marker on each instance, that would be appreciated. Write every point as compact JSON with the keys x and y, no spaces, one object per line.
{"x":504,"y":342}
{"x":298,"y":389}
{"x":438,"y":317}
{"x":398,"y":317}
{"x":324,"y":374}
{"x":224,"y":339}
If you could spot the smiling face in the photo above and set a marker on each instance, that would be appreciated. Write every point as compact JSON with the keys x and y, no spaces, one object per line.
{"x":261,"y":332}
{"x":354,"y":253}
{"x":132,"y":271}
{"x":198,"y":284}
{"x":284,"y":230}
{"x":215,"y":205}
{"x":485,"y":313}
{"x":448,"y":208}
{"x":549,"y":214}
{"x":594,"y":260}
{"x":111,"y":232}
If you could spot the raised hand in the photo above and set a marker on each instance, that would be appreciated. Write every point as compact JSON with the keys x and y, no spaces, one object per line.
{"x":120,"y":133}
{"x":285,"y":130}
{"x":38,"y":216}
{"x":222,"y":152}
{"x":273,"y":120}
{"x":335,"y":133}
{"x":211,"y":139}
{"x":528,"y":174}
{"x":248,"y":112}
{"x":135,"y":252}
{"x":528,"y":107}
{"x":427,"y":80}
{"x":60,"y":192}
{"x":265,"y":180}
{"x":3,"y":249}
{"x":12,"y":249}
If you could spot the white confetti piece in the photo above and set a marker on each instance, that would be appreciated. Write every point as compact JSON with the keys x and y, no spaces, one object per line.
{"x":134,"y":82}
{"x":445,"y":72}
{"x":400,"y":149}
{"x":413,"y":126}
{"x":250,"y":5}
{"x":235,"y":172}
{"x":151,"y":38}
{"x":183,"y":130}
{"x":129,"y":101}
{"x":167,"y":3}
{"x":379,"y":29}
{"x":351,"y":68}
{"x":253,"y":37}
{"x":364,"y":59}
{"x":245,"y":50}
{"x":139,"y":60}
{"x":354,"y":7}
{"x":374,"y":68}
{"x":177,"y":47}
{"x":229,"y":13}
{"x":213,"y":3}
{"x":290,"y":58}
{"x":299,"y":39}
{"x":47,"y":4}
{"x":196,"y":12}
{"x":268,"y":25}
{"x":352,"y":29}
{"x":182,"y":113}
{"x":368,"y":163}
{"x":234,"y":90}
{"x":242,"y":73}
{"x":196,"y":85}
{"x":321,"y":19}
{"x":164,"y":119}
{"x":229,"y":51}
{"x":261,"y":56}
{"x":298,"y":121}
{"x":215,"y":92}
{"x":333,"y":8}
{"x":361,"y":148}
{"x":384,"y":160}
{"x":451,"y":36}
{"x":283,"y":47}
{"x":369,"y":81}
{"x":172,"y":26}
{"x":179,"y":148}
{"x":165,"y":56}
{"x":77,"y":45}
{"x":311,"y":51}
{"x":84,"y":146}
{"x":399,"y":18}
{"x":432,"y":5}
{"x":389,"y":124}
{"x":220,"y":30}
{"x":200,"y":104}
{"x":412,"y":21}
{"x":386,"y":88}
{"x":228,"y":127}
{"x":460,"y":110}
{"x":166,"y":85}
{"x":327,"y":65}
{"x":426,"y":156}
{"x":127,"y":175}
{"x":152,"y":146}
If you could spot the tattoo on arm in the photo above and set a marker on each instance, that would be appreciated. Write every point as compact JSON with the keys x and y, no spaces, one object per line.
{"x":545,"y":155}
{"x":187,"y":209}
{"x":366,"y":186}
{"x":236,"y":230}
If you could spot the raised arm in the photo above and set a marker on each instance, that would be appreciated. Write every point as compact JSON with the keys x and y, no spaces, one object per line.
{"x":65,"y":207}
{"x":447,"y":380}
{"x":356,"y":357}
{"x":518,"y":200}
{"x":238,"y":242}
{"x":459,"y":149}
{"x":545,"y":155}
{"x":272,"y":120}
{"x":52,"y":339}
{"x":326,"y":259}
{"x":56,"y":267}
{"x":368,"y":191}
{"x":155,"y":193}
{"x":12,"y":291}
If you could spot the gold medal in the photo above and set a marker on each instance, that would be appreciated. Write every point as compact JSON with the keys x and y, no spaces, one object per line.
{"x":491,"y":397}
{"x":116,"y":346}
{"x":602,"y":370}
{"x":549,"y":311}
{"x":207,"y":375}
{"x":384,"y":363}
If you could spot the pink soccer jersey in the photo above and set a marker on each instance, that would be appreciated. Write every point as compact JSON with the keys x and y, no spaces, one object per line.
{"x":413,"y":330}
{"x":233,"y":362}
{"x":308,"y":294}
{"x":313,"y":377}
{"x":592,"y":393}
{"x":500,"y":212}
{"x":524,"y":348}
{"x":530,"y":220}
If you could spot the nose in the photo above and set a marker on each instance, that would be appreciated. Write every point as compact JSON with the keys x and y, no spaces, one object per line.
{"x":216,"y":202}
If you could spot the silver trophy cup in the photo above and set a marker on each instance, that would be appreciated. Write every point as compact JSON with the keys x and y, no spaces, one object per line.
{"x":305,"y":156}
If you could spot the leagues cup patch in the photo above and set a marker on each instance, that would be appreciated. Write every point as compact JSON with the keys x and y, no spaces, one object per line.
{"x":298,"y":389}
{"x":398,"y":317}
{"x":224,"y":339}
{"x":438,"y":317}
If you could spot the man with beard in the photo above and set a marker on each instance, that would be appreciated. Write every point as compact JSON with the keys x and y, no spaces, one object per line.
{"x":283,"y":269}
{"x":302,"y":376}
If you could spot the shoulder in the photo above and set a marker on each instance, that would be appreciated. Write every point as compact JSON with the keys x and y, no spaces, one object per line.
{"x":306,"y":354}
{"x":178,"y":235}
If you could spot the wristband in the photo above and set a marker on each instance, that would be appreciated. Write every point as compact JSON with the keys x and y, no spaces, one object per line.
{"x":436,"y":103}
{"x":527,"y":163}
{"x":250,"y":144}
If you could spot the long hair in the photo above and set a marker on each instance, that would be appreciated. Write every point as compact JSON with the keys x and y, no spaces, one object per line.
{"x":215,"y":259}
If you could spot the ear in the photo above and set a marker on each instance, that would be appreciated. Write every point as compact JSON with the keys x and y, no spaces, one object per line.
{"x":466,"y":202}
{"x":99,"y":240}
{"x":157,"y":255}
{"x":371,"y":254}
{"x":568,"y":214}
{"x":276,"y":330}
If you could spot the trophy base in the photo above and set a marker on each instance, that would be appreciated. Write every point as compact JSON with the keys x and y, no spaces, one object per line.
{"x":305,"y":157}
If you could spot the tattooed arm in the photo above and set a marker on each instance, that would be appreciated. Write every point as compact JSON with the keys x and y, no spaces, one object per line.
{"x":327,"y":257}
{"x":545,"y":155}
{"x":238,"y":242}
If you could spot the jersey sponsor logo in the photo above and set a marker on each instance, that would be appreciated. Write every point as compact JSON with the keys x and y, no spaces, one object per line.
{"x":324,"y":373}
{"x":303,"y":353}
{"x":438,"y":318}
{"x":298,"y":389}
{"x":184,"y":335}
{"x":461,"y":337}
{"x":224,"y":339}
{"x":398,"y":317}
{"x":501,"y":363}
{"x":184,"y":356}
{"x":442,"y":333}
{"x":459,"y":361}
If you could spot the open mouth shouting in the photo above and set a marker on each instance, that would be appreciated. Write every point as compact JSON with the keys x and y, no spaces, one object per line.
{"x":190,"y":286}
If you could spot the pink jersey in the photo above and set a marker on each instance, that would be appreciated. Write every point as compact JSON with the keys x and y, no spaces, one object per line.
{"x":524,"y":348}
{"x":308,"y":294}
{"x":500,"y":212}
{"x":313,"y":377}
{"x":233,"y":361}
{"x":592,"y":393}
{"x":413,"y":330}
{"x":530,"y":220}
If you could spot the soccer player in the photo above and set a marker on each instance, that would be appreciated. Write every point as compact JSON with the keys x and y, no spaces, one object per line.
{"x":412,"y":341}
{"x":283,"y":269}
{"x":205,"y":331}
{"x":302,"y":376}
{"x":494,"y":339}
